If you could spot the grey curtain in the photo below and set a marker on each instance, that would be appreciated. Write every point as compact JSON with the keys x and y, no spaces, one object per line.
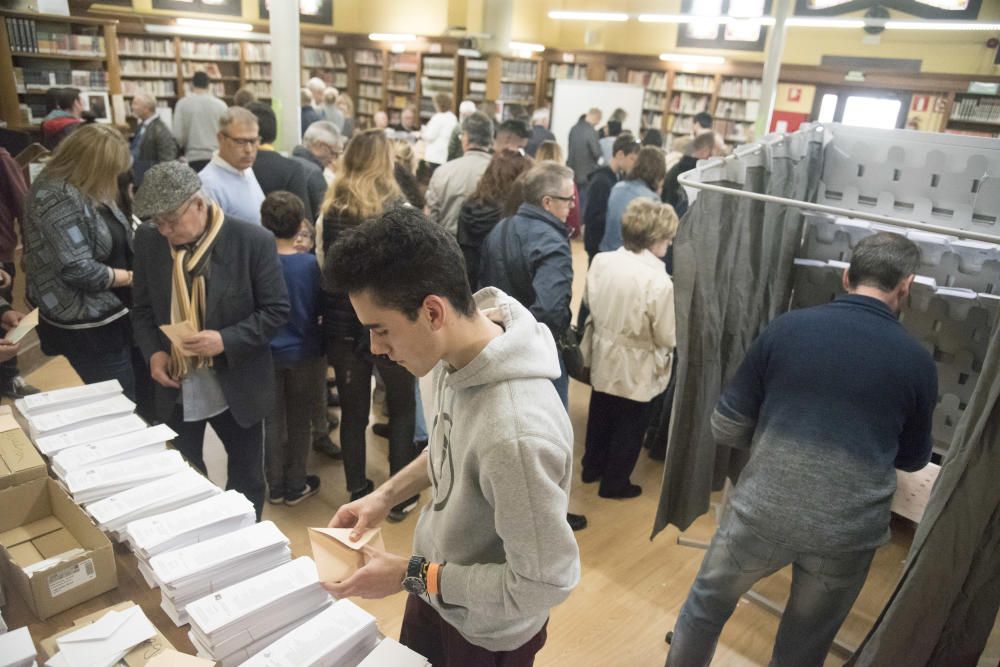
{"x":946,"y":602}
{"x":733,"y":262}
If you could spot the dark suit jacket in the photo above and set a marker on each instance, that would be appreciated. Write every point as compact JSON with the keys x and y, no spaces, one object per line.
{"x":315,"y":183}
{"x":276,"y":172}
{"x":247,"y":303}
{"x":158,"y":145}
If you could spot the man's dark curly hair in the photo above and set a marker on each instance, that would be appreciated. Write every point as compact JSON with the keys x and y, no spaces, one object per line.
{"x":400,"y":258}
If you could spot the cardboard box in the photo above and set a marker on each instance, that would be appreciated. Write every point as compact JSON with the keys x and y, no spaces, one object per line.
{"x":39,"y":521}
{"x":142,"y":654}
{"x":19,"y":460}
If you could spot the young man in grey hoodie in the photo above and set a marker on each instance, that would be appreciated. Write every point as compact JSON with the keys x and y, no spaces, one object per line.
{"x":492,"y":551}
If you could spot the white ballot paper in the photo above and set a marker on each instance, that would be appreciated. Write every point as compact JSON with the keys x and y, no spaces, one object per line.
{"x":88,"y":485}
{"x":61,"y":399}
{"x":343,"y":633}
{"x":182,"y":488}
{"x":245,"y":614}
{"x":198,"y":522}
{"x":17,"y":649}
{"x":390,"y":653}
{"x":104,"y":642}
{"x":111,"y":449}
{"x":50,"y":445}
{"x":80,"y":416}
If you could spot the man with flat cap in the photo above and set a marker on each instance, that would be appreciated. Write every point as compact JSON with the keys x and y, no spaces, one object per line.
{"x":222,"y":278}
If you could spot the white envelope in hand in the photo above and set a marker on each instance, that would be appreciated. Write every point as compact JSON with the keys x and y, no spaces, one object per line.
{"x":336,"y":556}
{"x":104,"y":642}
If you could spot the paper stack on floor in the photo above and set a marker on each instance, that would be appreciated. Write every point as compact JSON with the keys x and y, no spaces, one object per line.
{"x":88,"y":485}
{"x":238,"y":622}
{"x":206,"y":519}
{"x":390,"y":653}
{"x":149,"y":440}
{"x":187,"y":574}
{"x":342,"y":634}
{"x":50,"y":445}
{"x":104,"y":642}
{"x":17,"y":649}
{"x":50,"y":423}
{"x":182,"y":488}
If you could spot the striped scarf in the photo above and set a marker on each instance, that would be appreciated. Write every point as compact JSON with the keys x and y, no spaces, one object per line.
{"x":187,"y":296}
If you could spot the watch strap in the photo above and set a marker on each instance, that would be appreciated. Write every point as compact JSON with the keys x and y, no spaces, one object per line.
{"x":434,"y":578}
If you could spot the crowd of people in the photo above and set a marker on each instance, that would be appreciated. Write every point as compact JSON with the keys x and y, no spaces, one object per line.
{"x":349,"y":255}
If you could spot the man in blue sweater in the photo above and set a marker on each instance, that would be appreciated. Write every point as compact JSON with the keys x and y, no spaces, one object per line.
{"x":830,"y":400}
{"x":228,"y":178}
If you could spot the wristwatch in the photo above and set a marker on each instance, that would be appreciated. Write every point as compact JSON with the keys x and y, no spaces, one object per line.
{"x":416,"y":576}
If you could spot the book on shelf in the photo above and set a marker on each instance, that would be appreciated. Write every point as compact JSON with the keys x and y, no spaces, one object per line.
{"x":312,"y":57}
{"x":211,"y":50}
{"x":369,"y":73}
{"x":519,"y":70}
{"x":741,"y":88}
{"x":517,"y":92}
{"x":739,"y":110}
{"x":139,"y":46}
{"x":156,"y":87}
{"x":428,"y":87}
{"x":476,"y":69}
{"x":254,"y":52}
{"x":218,"y":89}
{"x":40,"y":79}
{"x":694,"y":83}
{"x":211,"y":69}
{"x":567,"y":71}
{"x":258,"y":71}
{"x":404,"y":62}
{"x":437,"y":66}
{"x":656,"y":81}
{"x":148,"y":68}
{"x":981,"y":110}
{"x":688,"y":103}
{"x":368,"y":57}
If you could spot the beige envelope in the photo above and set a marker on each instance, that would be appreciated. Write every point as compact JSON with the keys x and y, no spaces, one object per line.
{"x":336,"y":556}
{"x":177,"y":332}
{"x":175,"y":659}
{"x":28,"y":322}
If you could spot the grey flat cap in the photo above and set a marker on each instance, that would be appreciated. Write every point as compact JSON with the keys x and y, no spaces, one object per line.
{"x":165,"y":188}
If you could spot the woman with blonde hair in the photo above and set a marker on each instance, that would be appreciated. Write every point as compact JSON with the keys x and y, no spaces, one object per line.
{"x":78,"y":256}
{"x":437,"y":132}
{"x":365,"y":188}
{"x":550,"y":150}
{"x":628,"y":343}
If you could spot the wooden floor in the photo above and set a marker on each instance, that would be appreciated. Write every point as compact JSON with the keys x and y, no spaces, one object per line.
{"x":631,"y":589}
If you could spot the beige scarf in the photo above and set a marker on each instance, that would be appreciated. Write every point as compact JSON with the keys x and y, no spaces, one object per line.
{"x":187,"y":303}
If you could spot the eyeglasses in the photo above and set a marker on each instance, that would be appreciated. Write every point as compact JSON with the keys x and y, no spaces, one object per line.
{"x":243,"y":143}
{"x":164,"y":221}
{"x":560,"y":198}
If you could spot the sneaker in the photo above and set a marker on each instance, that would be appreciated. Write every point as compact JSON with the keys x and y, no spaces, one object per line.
{"x":381,"y":430}
{"x":399,"y":512}
{"x":324,"y":445}
{"x":16,"y":387}
{"x":576,"y":521}
{"x":628,"y":491}
{"x":311,"y":489}
{"x":369,"y":487}
{"x":276,"y":496}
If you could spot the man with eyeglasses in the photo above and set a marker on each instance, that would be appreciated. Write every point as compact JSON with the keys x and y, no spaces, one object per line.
{"x":219,"y":278}
{"x":228,"y":178}
{"x":320,"y":148}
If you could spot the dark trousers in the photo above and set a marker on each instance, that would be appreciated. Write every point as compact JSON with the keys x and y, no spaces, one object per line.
{"x":431,"y":636}
{"x":299,"y":389}
{"x":93,"y":366}
{"x":615,"y":427}
{"x":354,"y":385}
{"x":244,"y":449}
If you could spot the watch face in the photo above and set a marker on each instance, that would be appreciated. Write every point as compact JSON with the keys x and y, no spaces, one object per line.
{"x":414,"y":585}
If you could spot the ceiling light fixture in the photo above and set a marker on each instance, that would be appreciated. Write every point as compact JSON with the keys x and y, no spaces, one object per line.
{"x":391,"y":37}
{"x":526,"y":46}
{"x":939,"y":25}
{"x":588,"y":16}
{"x":810,"y":22}
{"x":692,"y":59}
{"x":191,"y":31}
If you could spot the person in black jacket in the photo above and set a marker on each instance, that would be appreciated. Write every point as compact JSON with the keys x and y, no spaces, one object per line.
{"x":701,"y":148}
{"x":321,"y":146}
{"x":152,"y":143}
{"x":273,"y":170}
{"x":487,"y":205}
{"x":624,"y":153}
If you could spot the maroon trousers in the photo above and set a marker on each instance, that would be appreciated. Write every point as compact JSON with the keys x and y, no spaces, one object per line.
{"x":431,"y":636}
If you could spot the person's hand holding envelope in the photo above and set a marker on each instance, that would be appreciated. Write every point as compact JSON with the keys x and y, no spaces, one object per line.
{"x":360,"y":567}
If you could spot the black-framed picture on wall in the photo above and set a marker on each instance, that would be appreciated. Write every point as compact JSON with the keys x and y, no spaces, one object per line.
{"x":310,"y":11}
{"x":226,"y":7}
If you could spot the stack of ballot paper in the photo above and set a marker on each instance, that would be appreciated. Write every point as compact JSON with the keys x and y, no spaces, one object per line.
{"x":178,"y":490}
{"x":238,"y":622}
{"x":104,"y":642}
{"x":390,"y":653}
{"x":17,"y":649}
{"x":50,"y":445}
{"x":113,"y":449}
{"x":88,"y":485}
{"x":189,"y":573}
{"x":62,"y":399}
{"x":198,"y":522}
{"x":342,"y":634}
{"x":49,"y":423}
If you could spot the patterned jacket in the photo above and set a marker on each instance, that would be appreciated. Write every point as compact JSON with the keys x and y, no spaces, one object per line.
{"x":65,"y":245}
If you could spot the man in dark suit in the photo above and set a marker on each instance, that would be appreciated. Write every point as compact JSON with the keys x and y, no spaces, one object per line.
{"x":320,"y":148}
{"x":232,"y":295}
{"x":152,"y":142}
{"x":273,"y":170}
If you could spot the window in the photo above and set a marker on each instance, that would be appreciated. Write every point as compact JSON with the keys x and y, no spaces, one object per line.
{"x":310,"y":11}
{"x":928,"y":9}
{"x":708,"y":34}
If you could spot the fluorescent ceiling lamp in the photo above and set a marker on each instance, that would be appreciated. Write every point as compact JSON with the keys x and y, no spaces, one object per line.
{"x":588,"y":16}
{"x":692,"y":59}
{"x":390,"y":37}
{"x":207,"y":32}
{"x":526,"y":46}
{"x":809,"y":22}
{"x":217,"y":25}
{"x":940,"y":25}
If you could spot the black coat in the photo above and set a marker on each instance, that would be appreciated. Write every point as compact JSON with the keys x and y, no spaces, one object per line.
{"x":315,"y":181}
{"x":246,"y":302}
{"x":157,"y":145}
{"x":276,"y":172}
{"x":595,"y":214}
{"x":475,"y":221}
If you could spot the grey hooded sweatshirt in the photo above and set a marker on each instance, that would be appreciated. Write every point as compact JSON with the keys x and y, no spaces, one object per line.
{"x":500,"y":463}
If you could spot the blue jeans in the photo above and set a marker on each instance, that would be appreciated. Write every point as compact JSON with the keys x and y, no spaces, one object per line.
{"x":824,"y":587}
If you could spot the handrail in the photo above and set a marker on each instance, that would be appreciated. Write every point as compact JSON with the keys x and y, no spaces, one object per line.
{"x":687,"y":181}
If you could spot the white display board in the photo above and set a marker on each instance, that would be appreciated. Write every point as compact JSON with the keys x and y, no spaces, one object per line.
{"x":573,"y":98}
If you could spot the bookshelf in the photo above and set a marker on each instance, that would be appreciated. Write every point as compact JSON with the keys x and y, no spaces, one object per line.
{"x":326,"y":64}
{"x":149,"y":64}
{"x":736,"y":107}
{"x":255,"y":70}
{"x":690,"y":94}
{"x":401,"y":83}
{"x":41,"y":51}
{"x":220,"y":59}
{"x":437,"y":75}
{"x":654,"y":100}
{"x":974,"y":114}
{"x":517,"y":84}
{"x":474,"y":86}
{"x":369,"y":82}
{"x":562,"y":71}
